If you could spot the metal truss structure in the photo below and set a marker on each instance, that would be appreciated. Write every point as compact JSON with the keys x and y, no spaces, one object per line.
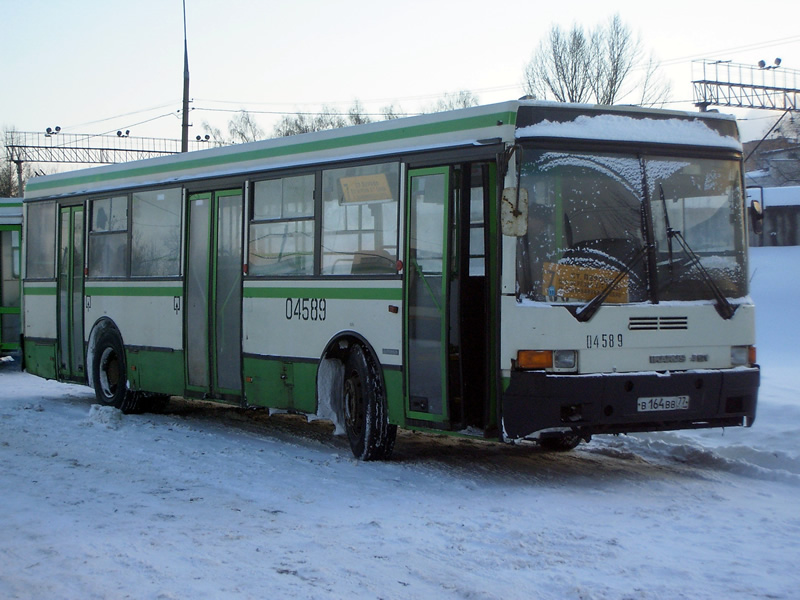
{"x":724,"y":83}
{"x":57,"y":147}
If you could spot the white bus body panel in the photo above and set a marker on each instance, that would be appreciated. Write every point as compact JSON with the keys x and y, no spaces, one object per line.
{"x":612,"y":342}
{"x":41,"y":311}
{"x":142,"y":320}
{"x":272,"y":329}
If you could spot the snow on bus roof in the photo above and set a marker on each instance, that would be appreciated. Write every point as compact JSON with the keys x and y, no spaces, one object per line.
{"x":625,"y":128}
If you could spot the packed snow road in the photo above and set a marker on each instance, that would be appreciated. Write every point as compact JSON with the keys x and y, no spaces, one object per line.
{"x":209,"y":502}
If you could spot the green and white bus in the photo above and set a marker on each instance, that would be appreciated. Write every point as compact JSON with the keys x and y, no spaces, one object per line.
{"x":10,"y":273}
{"x":522,"y":270}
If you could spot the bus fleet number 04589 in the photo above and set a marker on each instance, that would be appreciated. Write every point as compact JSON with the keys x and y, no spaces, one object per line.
{"x":306,"y":309}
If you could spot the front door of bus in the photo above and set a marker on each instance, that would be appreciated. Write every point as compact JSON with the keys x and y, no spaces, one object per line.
{"x":214,"y":294}
{"x":10,"y":236}
{"x":426,"y":297}
{"x":70,"y":294}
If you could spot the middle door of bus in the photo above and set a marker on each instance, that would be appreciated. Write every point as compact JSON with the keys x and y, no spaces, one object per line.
{"x":213,"y":317}
{"x":70,"y":294}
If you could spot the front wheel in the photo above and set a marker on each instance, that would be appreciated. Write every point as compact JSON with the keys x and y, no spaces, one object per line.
{"x":560,"y":443}
{"x":366,"y":419}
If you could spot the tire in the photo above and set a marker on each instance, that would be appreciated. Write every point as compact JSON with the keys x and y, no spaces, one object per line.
{"x":110,"y":374}
{"x":366,"y":419}
{"x":560,"y":443}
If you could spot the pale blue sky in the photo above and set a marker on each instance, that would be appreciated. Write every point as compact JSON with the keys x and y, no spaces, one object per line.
{"x":94,"y":66}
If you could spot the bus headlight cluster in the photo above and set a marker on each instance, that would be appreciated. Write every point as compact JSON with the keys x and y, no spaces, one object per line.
{"x":557,"y":360}
{"x":743,"y":356}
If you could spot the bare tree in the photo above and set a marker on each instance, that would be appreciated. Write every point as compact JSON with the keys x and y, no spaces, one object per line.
{"x":304,"y":122}
{"x":357,"y":114}
{"x":243,"y":128}
{"x":215,"y":134}
{"x":560,"y":68}
{"x":329,"y":118}
{"x":598,"y":66}
{"x":391,"y":112}
{"x":455,"y":100}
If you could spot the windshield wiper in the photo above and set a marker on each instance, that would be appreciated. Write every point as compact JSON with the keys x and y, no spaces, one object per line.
{"x":723,"y":306}
{"x":670,"y":231}
{"x":586,"y":311}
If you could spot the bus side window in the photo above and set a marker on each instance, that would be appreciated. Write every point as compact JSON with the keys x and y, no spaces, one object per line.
{"x":359,"y":220}
{"x":108,"y":237}
{"x":41,"y":242}
{"x":282,"y":227}
{"x":156,"y":233}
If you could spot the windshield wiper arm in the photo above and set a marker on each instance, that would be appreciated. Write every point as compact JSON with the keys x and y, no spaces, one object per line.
{"x":723,"y":306}
{"x":670,"y":230}
{"x":586,"y":311}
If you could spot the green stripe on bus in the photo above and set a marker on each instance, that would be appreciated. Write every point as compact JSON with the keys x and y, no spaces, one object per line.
{"x":338,"y":293}
{"x":39,"y":291}
{"x":132,"y":291}
{"x":400,"y":133}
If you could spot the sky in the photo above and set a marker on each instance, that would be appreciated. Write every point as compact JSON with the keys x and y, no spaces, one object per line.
{"x":98,"y":66}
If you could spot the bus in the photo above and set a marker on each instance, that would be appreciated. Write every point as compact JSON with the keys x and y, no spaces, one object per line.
{"x":10,"y":275}
{"x":516,"y":271}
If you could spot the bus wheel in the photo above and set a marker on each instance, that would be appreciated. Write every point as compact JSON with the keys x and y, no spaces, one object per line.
{"x":110,"y":374}
{"x":366,"y":420}
{"x":560,"y":443}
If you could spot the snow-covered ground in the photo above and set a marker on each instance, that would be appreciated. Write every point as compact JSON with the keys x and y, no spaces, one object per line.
{"x":207,"y":502}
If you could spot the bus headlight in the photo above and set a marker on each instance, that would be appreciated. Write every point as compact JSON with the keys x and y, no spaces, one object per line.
{"x":559,"y":360}
{"x":743,"y":355}
{"x":565,"y":359}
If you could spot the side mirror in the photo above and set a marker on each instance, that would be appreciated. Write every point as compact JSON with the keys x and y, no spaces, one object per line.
{"x":514,"y":212}
{"x":756,"y":216}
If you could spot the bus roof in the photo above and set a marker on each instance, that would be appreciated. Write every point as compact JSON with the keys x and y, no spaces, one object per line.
{"x":502,"y":122}
{"x":10,"y":211}
{"x":438,"y":130}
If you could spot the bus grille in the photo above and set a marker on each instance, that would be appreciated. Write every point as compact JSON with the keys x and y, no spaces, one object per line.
{"x":657,"y":323}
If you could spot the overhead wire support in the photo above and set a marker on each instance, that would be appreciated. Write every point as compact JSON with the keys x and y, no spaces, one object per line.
{"x":62,"y":147}
{"x":762,"y":86}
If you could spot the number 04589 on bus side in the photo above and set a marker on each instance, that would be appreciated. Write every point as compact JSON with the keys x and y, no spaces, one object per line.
{"x":662,"y":403}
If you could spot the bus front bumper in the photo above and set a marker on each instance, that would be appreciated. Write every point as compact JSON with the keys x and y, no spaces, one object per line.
{"x":536,"y":402}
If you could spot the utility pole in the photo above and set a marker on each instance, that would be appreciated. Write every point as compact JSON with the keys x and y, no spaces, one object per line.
{"x":185,"y":121}
{"x":20,"y":186}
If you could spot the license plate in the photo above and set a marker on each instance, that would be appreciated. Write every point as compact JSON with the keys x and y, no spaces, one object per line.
{"x":662,"y":403}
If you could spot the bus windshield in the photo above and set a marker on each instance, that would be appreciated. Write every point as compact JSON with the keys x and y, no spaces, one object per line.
{"x":587,"y":224}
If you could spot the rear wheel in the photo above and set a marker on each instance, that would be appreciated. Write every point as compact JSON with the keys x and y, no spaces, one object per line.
{"x":366,"y":419}
{"x":110,"y":375}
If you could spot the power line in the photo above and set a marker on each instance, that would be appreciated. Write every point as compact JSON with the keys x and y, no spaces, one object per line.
{"x":128,"y":114}
{"x":753,"y":46}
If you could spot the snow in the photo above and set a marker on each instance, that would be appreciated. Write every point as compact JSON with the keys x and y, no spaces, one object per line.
{"x":628,"y":129}
{"x":213,"y":502}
